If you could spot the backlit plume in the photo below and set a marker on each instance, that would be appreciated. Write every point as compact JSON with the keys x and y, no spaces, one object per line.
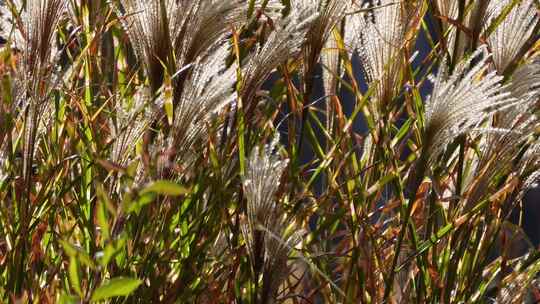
{"x":269,"y":234}
{"x":462,"y":101}
{"x":515,"y":30}
{"x":379,"y":36}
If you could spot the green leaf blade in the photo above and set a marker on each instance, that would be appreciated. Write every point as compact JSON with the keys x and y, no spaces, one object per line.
{"x":117,"y":287}
{"x":165,"y":187}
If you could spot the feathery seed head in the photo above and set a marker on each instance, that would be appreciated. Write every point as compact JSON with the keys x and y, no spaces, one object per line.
{"x":379,"y":36}
{"x":531,"y":182}
{"x":130,"y":122}
{"x":40,"y":18}
{"x":511,"y":128}
{"x":207,"y":90}
{"x":509,"y":37}
{"x":261,"y":182}
{"x":278,"y":245}
{"x":269,"y":233}
{"x":529,"y":166}
{"x":283,"y":43}
{"x":150,"y":26}
{"x":32,"y":27}
{"x":525,"y":82}
{"x":328,"y":14}
{"x":176,"y":33}
{"x":461,"y":102}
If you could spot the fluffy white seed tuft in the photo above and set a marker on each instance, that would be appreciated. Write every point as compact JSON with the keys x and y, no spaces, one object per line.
{"x":463,"y":101}
{"x":509,"y":37}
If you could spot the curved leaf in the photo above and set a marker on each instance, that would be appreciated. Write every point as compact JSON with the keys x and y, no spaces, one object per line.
{"x":116,"y":287}
{"x":166,"y":187}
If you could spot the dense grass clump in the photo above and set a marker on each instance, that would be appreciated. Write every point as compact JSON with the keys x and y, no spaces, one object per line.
{"x":181,"y":151}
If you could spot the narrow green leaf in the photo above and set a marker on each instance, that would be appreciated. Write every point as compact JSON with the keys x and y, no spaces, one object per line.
{"x":76,"y":253}
{"x":69,"y":249}
{"x":103,"y":221}
{"x":69,"y":299}
{"x":111,"y":250}
{"x":74,"y":275}
{"x":145,"y":199}
{"x":402,"y":131}
{"x":381,"y":183}
{"x":117,"y":287}
{"x":165,"y":187}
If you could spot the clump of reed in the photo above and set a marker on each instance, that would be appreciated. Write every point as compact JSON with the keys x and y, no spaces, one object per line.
{"x":180,"y":151}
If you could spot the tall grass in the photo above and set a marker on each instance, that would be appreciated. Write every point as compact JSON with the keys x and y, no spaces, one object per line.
{"x":155,"y":151}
